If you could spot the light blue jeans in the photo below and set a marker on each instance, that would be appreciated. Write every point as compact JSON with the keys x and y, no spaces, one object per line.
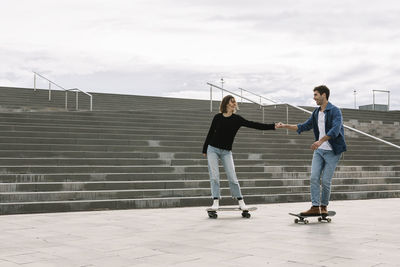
{"x":213,"y":154}
{"x":324,"y":162}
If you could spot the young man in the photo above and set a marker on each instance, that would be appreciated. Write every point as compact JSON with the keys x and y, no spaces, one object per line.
{"x":327,"y":123}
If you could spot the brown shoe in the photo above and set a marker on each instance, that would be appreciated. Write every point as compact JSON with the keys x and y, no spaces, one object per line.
{"x":313,"y":211}
{"x":324,"y":210}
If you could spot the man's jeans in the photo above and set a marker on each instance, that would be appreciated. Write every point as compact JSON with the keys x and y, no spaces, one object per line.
{"x":213,"y":154}
{"x":324,"y":162}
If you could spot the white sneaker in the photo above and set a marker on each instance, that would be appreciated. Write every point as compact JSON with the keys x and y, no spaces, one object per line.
{"x":215,"y":204}
{"x":242,"y":205}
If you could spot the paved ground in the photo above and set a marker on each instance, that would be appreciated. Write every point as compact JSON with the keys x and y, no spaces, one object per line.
{"x":187,"y":237}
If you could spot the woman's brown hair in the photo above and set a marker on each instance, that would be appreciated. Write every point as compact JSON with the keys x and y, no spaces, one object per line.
{"x":224,"y":103}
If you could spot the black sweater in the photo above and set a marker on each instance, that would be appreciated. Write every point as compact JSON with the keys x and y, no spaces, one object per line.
{"x":223,"y":130}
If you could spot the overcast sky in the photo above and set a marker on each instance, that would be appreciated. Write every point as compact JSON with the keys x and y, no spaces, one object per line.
{"x":281,"y":49}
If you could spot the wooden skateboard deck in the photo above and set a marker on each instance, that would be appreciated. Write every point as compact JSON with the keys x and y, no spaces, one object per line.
{"x":212,"y":213}
{"x":302,"y":218}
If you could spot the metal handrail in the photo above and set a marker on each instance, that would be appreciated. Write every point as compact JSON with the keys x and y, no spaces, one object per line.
{"x":299,"y":108}
{"x":252,"y":101}
{"x":220,"y":88}
{"x":77,"y":90}
{"x":77,"y":102}
{"x":353,"y":129}
{"x":260,"y":96}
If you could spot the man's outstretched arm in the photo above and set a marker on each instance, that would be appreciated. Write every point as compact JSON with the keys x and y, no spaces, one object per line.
{"x":306,"y":126}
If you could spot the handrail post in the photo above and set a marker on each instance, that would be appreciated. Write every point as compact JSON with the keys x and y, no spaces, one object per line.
{"x":222,"y":87}
{"x":77,"y":101}
{"x":91,"y":103}
{"x":287,"y":118}
{"x":66,"y":100}
{"x":49,"y":91}
{"x":210,"y":98}
{"x":373,"y":99}
{"x":241,"y":96}
{"x":34,"y":81}
{"x":263,"y":117}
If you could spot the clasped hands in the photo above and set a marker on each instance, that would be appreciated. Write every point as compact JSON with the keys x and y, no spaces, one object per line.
{"x":280,"y":125}
{"x":314,"y":146}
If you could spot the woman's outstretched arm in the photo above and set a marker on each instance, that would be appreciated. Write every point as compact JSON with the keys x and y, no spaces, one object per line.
{"x":257,"y":125}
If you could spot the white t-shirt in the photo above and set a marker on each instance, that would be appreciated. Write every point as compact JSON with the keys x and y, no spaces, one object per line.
{"x":321,"y":127}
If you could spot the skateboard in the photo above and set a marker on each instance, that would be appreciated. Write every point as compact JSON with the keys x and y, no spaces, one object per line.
{"x":212,"y":213}
{"x":302,"y":218}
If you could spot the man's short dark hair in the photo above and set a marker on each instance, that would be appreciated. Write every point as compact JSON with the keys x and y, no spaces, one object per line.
{"x":322,"y":89}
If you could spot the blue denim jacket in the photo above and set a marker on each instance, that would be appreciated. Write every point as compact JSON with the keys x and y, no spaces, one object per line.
{"x":333,"y":127}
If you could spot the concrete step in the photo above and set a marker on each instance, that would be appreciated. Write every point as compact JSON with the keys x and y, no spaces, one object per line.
{"x":96,"y":132}
{"x":82,"y":155}
{"x":15,"y":136}
{"x":113,"y":162}
{"x":63,"y":206}
{"x":149,"y":114}
{"x":14,"y":197}
{"x":266,"y":145}
{"x":153,"y":177}
{"x":171,"y":149}
{"x":170,"y":168}
{"x":202,"y":117}
{"x":143,"y":124}
{"x":159,"y":135}
{"x":83,"y":162}
{"x":85,"y":154}
{"x":180,"y":169}
{"x":179,"y":184}
{"x":250,"y":112}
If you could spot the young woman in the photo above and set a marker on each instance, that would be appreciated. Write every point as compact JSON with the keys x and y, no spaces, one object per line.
{"x":218,"y":145}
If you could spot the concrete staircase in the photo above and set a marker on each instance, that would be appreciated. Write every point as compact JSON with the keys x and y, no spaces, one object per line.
{"x":145,"y":152}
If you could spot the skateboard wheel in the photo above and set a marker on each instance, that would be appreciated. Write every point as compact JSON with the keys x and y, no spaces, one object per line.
{"x":305,"y":221}
{"x":296,"y":220}
{"x":319,"y":219}
{"x":212,"y":214}
{"x":329,"y":220}
{"x":246,"y":215}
